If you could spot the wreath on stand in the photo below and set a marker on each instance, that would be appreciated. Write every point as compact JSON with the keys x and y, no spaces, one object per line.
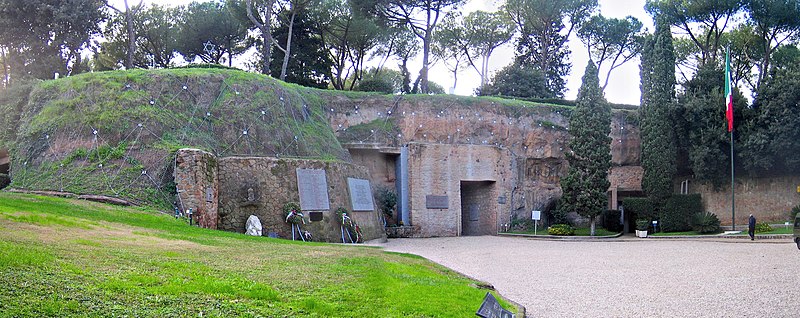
{"x":353,"y":230}
{"x":295,"y":218}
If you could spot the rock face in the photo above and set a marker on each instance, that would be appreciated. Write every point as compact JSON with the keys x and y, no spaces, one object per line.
{"x":527,"y":162}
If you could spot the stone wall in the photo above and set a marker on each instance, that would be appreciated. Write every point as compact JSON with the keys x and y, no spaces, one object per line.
{"x":196,"y":181}
{"x":261,"y":186}
{"x":532,"y":142}
{"x":438,"y":170}
{"x":768,"y":199}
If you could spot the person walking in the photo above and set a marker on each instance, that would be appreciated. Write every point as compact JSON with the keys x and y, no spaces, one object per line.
{"x":751,"y":227}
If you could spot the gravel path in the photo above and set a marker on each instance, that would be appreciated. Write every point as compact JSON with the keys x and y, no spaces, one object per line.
{"x":627,"y":277}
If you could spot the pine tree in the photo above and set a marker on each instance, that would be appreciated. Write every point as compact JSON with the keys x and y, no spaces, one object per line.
{"x":656,"y":114}
{"x":586,"y":183}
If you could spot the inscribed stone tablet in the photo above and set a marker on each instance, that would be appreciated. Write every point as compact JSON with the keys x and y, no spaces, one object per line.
{"x":360,"y":194}
{"x":490,"y":308}
{"x":313,"y":188}
{"x":437,"y":202}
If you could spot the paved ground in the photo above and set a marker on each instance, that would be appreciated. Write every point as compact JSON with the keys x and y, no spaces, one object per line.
{"x":627,"y":277}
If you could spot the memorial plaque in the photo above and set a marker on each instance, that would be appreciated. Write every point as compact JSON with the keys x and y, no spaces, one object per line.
{"x":313,"y":188}
{"x":360,"y":194}
{"x":437,"y":202}
{"x":474,"y":212}
{"x":501,"y":200}
{"x":209,"y":195}
{"x":315,"y":216}
{"x":490,"y":308}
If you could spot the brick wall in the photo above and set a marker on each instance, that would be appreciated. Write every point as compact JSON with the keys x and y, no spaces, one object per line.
{"x":768,"y":199}
{"x":196,"y":181}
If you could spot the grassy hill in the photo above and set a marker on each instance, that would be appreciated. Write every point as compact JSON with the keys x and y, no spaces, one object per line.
{"x":62,"y":257}
{"x":114,"y":133}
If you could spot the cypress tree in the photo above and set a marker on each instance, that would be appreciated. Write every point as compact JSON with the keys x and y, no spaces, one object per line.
{"x":659,"y":151}
{"x":586,"y":183}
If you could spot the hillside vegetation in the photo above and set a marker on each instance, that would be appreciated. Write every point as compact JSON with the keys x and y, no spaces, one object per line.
{"x":62,"y":257}
{"x":115,"y":133}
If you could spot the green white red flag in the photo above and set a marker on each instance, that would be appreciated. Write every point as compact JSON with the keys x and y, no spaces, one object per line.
{"x":728,"y":90}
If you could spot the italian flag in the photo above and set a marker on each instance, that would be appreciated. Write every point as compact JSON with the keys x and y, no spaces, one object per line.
{"x":728,"y":90}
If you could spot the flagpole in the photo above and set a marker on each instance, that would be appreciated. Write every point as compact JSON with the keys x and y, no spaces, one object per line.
{"x":729,"y":117}
{"x":733,"y":205}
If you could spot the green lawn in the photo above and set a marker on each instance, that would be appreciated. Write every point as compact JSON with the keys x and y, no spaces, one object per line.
{"x":63,"y":257}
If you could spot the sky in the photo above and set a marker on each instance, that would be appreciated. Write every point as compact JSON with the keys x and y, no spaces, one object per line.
{"x":623,"y":87}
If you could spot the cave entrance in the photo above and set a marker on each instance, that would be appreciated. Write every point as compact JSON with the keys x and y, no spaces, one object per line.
{"x":478,"y":211}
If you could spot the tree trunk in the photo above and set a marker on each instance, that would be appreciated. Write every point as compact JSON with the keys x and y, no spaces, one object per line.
{"x":288,"y":49}
{"x":423,"y":74}
{"x":131,"y":36}
{"x":592,"y":221}
{"x":266,"y":34}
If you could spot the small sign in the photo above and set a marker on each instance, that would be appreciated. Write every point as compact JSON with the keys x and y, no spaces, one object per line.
{"x":501,"y":199}
{"x":490,"y":308}
{"x":798,"y":189}
{"x":315,"y":216}
{"x":536,"y":215}
{"x":437,"y":202}
{"x":209,"y":195}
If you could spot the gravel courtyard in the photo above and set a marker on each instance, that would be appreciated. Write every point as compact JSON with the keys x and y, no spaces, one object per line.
{"x":627,"y":277}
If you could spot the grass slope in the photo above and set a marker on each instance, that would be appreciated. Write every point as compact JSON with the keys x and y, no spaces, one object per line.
{"x":62,"y":257}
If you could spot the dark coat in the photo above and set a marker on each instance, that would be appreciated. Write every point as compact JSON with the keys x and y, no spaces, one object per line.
{"x":751,"y":223}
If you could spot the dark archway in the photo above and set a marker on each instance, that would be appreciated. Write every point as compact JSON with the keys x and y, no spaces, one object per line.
{"x":478,"y":208}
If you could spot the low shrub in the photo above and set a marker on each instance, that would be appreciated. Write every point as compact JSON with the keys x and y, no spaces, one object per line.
{"x":763,"y":227}
{"x":561,"y":230}
{"x":676,"y":216}
{"x":610,"y":219}
{"x":706,"y":222}
{"x":642,"y":208}
{"x":522,"y":224}
{"x":642,"y":224}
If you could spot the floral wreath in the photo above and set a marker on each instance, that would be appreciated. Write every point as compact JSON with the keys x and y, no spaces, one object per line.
{"x":292,"y":213}
{"x":351,"y":225}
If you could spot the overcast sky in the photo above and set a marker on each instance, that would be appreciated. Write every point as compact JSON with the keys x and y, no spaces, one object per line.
{"x":622,"y":88}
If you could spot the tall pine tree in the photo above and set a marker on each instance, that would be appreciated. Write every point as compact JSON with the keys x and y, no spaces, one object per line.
{"x":656,"y":113}
{"x":586,"y":183}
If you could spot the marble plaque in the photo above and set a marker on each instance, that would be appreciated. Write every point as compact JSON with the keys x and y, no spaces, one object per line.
{"x":437,"y":202}
{"x":313,"y":188}
{"x":360,"y":194}
{"x":315,"y":216}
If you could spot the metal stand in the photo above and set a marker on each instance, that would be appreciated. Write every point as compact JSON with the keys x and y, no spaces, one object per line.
{"x":299,"y":232}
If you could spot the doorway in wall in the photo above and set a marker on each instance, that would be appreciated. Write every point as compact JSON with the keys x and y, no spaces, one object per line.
{"x":5,"y":166}
{"x":478,"y":208}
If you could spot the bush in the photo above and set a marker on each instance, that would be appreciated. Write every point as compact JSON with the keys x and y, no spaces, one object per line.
{"x":676,"y":216}
{"x":763,"y":227}
{"x":706,"y":222}
{"x":560,"y":229}
{"x":642,"y":224}
{"x":4,"y":180}
{"x":793,"y":213}
{"x":522,"y":224}
{"x":641,"y":208}
{"x":610,"y":219}
{"x":387,"y":200}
